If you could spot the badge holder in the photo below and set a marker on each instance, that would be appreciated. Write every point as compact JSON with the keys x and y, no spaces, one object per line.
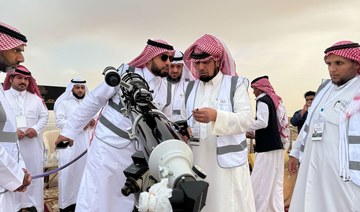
{"x":318,"y":128}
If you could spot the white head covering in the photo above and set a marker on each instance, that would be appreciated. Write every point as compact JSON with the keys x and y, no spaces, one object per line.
{"x":68,"y":92}
{"x":186,"y":74}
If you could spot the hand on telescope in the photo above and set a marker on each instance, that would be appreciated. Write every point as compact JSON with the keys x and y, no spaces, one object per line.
{"x":205,"y":114}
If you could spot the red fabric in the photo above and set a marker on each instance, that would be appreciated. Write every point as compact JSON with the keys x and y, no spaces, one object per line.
{"x":350,"y":53}
{"x":216,"y":49}
{"x":32,"y":87}
{"x":7,"y":42}
{"x":149,"y":53}
{"x":265,"y":86}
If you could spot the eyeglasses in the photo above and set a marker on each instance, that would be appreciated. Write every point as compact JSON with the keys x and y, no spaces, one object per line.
{"x":165,"y":57}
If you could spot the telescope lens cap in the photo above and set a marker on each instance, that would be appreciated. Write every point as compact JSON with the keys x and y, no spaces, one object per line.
{"x":199,"y":172}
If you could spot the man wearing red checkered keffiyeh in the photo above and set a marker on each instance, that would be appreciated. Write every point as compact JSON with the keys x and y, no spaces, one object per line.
{"x":218,"y":110}
{"x":23,"y":72}
{"x":271,"y":129}
{"x":209,"y":47}
{"x":111,"y":148}
{"x":12,"y":44}
{"x":328,"y":144}
{"x":13,"y":176}
{"x":31,"y":117}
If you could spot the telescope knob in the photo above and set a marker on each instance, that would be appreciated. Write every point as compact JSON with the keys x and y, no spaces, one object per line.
{"x":199,"y":172}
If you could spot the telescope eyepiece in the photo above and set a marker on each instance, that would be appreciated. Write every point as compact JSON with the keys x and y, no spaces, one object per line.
{"x":112,"y":77}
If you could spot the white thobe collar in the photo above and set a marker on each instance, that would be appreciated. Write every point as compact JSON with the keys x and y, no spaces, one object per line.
{"x":148,"y":75}
{"x":261,"y":95}
{"x":348,"y":83}
{"x":214,"y":81}
{"x":18,"y":93}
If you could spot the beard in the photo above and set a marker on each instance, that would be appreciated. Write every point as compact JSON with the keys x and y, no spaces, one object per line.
{"x":78,"y":97}
{"x":208,"y":78}
{"x":157,"y":71}
{"x":172,"y":80}
{"x":4,"y":64}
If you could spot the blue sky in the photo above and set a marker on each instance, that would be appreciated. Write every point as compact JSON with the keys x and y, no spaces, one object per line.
{"x":282,"y":39}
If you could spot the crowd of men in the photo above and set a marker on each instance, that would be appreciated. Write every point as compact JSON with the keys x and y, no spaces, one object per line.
{"x":202,"y":87}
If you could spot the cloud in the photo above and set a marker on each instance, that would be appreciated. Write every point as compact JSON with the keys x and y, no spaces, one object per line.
{"x":283,"y":39}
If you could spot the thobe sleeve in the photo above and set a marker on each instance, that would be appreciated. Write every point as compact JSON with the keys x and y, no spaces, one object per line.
{"x":87,"y":109}
{"x":167,"y":109}
{"x":238,"y":121}
{"x":262,"y":117}
{"x":160,"y":98}
{"x":60,"y":115}
{"x":296,"y":147}
{"x":43,"y":118}
{"x":11,"y":174}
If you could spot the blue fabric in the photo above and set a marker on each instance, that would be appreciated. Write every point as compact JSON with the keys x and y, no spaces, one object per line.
{"x":297,"y":120}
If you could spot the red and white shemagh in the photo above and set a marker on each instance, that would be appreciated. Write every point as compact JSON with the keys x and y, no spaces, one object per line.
{"x":149,"y":53}
{"x":349,"y":53}
{"x":32,"y":87}
{"x":264,"y":85}
{"x":8,"y":42}
{"x":217,"y":51}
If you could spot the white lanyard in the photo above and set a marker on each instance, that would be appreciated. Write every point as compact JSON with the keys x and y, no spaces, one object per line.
{"x":20,"y":100}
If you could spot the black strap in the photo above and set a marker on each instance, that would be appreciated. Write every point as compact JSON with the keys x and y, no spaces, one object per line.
{"x":168,"y":96}
{"x":13,"y":33}
{"x":188,"y":90}
{"x":345,"y":46}
{"x":160,"y":45}
{"x":22,"y":72}
{"x":199,"y":56}
{"x":76,"y":81}
{"x":234,"y":80}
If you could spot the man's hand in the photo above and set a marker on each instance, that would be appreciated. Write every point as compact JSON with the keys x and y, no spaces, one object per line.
{"x":26,"y":181}
{"x":205,"y":114}
{"x":20,"y":134}
{"x":91,"y":124}
{"x":250,"y":135}
{"x":304,"y":110}
{"x":31,"y":133}
{"x":293,"y":164}
{"x":63,"y":138}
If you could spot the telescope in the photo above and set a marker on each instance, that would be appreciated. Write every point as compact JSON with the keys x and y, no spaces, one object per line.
{"x":165,"y":154}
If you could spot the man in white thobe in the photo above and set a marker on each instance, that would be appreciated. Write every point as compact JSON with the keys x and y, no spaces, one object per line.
{"x":110,"y":152}
{"x":70,"y":177}
{"x":268,"y":172}
{"x":219,"y":111}
{"x":13,"y":176}
{"x":328,"y":143}
{"x":31,"y":117}
{"x":177,"y":79}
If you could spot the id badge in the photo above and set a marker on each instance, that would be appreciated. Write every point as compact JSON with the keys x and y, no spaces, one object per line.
{"x":318,"y":129}
{"x":196,"y":131}
{"x":21,"y":121}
